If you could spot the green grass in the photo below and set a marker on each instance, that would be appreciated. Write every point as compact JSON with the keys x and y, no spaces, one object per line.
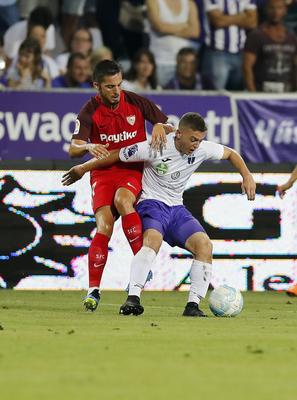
{"x":51,"y":349}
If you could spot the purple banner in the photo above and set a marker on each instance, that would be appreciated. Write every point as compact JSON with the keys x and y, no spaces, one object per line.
{"x":39,"y":125}
{"x":268,"y":130}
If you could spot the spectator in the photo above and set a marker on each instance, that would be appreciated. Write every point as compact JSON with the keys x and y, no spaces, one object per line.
{"x":9,"y":14}
{"x":28,"y":72}
{"x":291,"y":17}
{"x":133,"y":26}
{"x":142,"y":74}
{"x":224,"y":38}
{"x":270,"y":54}
{"x":39,"y":33}
{"x":186,"y":75}
{"x":71,"y":12}
{"x":77,"y":75}
{"x":100,"y":54}
{"x":108,"y":19}
{"x":81,"y":42}
{"x":172,"y":24}
{"x":18,"y":32}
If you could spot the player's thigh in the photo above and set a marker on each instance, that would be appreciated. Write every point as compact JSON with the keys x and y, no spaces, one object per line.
{"x":153,"y":239}
{"x":105,"y":218}
{"x":103,"y":192}
{"x":200,"y":246}
{"x":128,"y":189}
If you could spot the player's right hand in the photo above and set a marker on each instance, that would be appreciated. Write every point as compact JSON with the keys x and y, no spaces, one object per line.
{"x":73,"y":175}
{"x":98,"y":150}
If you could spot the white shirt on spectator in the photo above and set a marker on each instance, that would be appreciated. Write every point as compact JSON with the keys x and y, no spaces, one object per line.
{"x":17,"y":33}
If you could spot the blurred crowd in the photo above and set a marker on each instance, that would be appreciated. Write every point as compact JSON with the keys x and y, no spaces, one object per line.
{"x":161,"y":44}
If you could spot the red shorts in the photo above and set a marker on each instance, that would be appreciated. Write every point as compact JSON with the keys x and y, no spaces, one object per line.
{"x":104,"y":187}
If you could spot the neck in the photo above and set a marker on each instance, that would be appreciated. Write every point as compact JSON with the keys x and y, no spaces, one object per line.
{"x":142,"y":81}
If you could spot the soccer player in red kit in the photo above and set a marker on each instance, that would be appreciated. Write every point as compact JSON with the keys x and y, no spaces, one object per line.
{"x":112,"y":119}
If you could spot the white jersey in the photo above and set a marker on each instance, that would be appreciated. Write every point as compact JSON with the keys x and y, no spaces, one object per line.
{"x":165,"y":176}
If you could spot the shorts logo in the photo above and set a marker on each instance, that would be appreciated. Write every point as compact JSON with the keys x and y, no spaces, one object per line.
{"x":131,"y":119}
{"x":77,"y":127}
{"x":161,"y":168}
{"x":175,"y":175}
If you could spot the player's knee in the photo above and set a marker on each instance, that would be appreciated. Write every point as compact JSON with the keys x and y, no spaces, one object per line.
{"x":123,"y":204}
{"x":203,"y":246}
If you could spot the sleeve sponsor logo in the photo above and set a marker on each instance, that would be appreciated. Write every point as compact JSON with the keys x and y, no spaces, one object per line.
{"x":77,"y":127}
{"x":130,"y":151}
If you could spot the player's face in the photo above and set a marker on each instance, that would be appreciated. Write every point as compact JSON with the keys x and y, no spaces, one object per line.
{"x":187,"y":140}
{"x":110,"y":89}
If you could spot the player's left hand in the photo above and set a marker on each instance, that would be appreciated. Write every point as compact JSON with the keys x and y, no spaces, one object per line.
{"x":248,"y":187}
{"x":73,"y":175}
{"x":159,"y":139}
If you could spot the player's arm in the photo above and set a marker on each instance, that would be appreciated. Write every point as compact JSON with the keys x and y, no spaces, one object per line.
{"x":248,"y":184}
{"x":246,"y":19}
{"x":135,"y":153}
{"x":290,"y":182}
{"x":188,"y":29}
{"x":249,"y":60}
{"x":77,"y":172}
{"x":79,"y":148}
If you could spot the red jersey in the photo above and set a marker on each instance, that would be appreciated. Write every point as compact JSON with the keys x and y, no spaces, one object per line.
{"x":120,"y":127}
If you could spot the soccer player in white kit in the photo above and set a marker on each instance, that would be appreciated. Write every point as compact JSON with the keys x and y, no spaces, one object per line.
{"x":160,"y":206}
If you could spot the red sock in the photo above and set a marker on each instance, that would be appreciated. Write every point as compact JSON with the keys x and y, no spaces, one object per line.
{"x":132,"y":228}
{"x":98,"y":252}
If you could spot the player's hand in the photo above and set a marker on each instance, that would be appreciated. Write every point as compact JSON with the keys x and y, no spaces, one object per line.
{"x":159,"y":139}
{"x":98,"y":150}
{"x":248,"y":187}
{"x":73,"y":175}
{"x":282,"y":189}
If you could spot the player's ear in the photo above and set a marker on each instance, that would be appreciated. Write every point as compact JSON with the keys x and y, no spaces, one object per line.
{"x":96,"y":85}
{"x":178,"y":133}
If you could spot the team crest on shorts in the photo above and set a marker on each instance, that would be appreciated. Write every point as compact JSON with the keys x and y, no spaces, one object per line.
{"x":161,"y":168}
{"x":131,"y":119}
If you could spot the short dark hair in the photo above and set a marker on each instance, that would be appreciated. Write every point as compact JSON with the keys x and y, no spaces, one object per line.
{"x":40,"y":16}
{"x":194,"y":121}
{"x":184,"y":51}
{"x":75,"y":56}
{"x":105,"y":68}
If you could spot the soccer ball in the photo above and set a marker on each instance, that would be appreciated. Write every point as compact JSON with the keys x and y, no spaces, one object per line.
{"x":225,"y":301}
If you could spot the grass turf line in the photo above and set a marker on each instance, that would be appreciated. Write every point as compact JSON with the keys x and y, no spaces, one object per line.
{"x":51,"y":349}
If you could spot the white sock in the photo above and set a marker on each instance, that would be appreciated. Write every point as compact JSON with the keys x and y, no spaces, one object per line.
{"x":140,"y":267}
{"x":93,"y":288}
{"x":200,"y":276}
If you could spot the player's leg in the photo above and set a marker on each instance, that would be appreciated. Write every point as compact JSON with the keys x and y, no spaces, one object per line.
{"x":102,"y":199}
{"x":154,"y":220}
{"x":98,"y":253}
{"x":125,"y":197}
{"x":185,"y":231}
{"x":200,"y":246}
{"x":140,"y":267}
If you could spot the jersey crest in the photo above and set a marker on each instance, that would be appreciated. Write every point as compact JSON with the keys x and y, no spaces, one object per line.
{"x":131,"y":119}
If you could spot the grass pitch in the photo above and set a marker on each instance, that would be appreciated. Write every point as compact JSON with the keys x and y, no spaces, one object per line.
{"x":51,"y":349}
